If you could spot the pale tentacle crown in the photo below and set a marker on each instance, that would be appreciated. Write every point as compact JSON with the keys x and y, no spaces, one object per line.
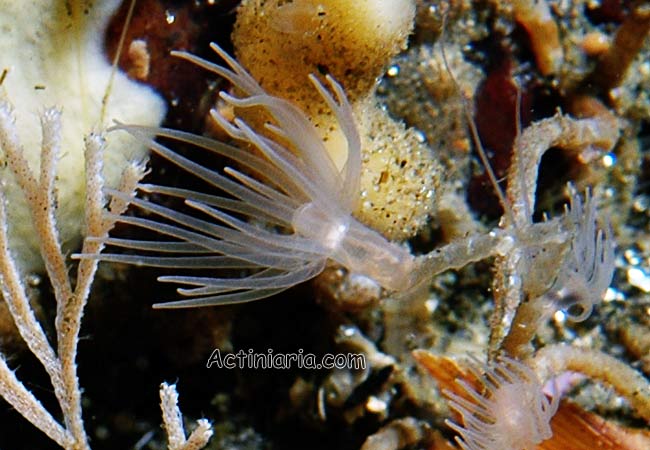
{"x":280,"y":226}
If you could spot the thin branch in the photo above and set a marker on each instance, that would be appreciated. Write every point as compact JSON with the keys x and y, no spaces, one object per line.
{"x":200,"y":436}
{"x":40,"y":202}
{"x":14,"y":294}
{"x":553,"y":360}
{"x":15,"y":393}
{"x":172,"y":418}
{"x":173,"y":423}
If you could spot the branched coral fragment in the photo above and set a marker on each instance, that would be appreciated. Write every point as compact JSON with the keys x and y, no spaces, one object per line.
{"x":173,"y":423}
{"x":39,"y":191}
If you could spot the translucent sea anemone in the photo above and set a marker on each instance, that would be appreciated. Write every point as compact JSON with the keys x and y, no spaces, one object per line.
{"x":511,"y":414}
{"x":279,"y":225}
{"x":588,"y":267}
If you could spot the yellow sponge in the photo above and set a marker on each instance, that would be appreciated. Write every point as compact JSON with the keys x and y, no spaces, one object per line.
{"x":282,"y":42}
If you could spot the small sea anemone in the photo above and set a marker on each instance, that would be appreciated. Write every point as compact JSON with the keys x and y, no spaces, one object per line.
{"x":588,"y":267}
{"x":279,"y":225}
{"x":511,"y":414}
